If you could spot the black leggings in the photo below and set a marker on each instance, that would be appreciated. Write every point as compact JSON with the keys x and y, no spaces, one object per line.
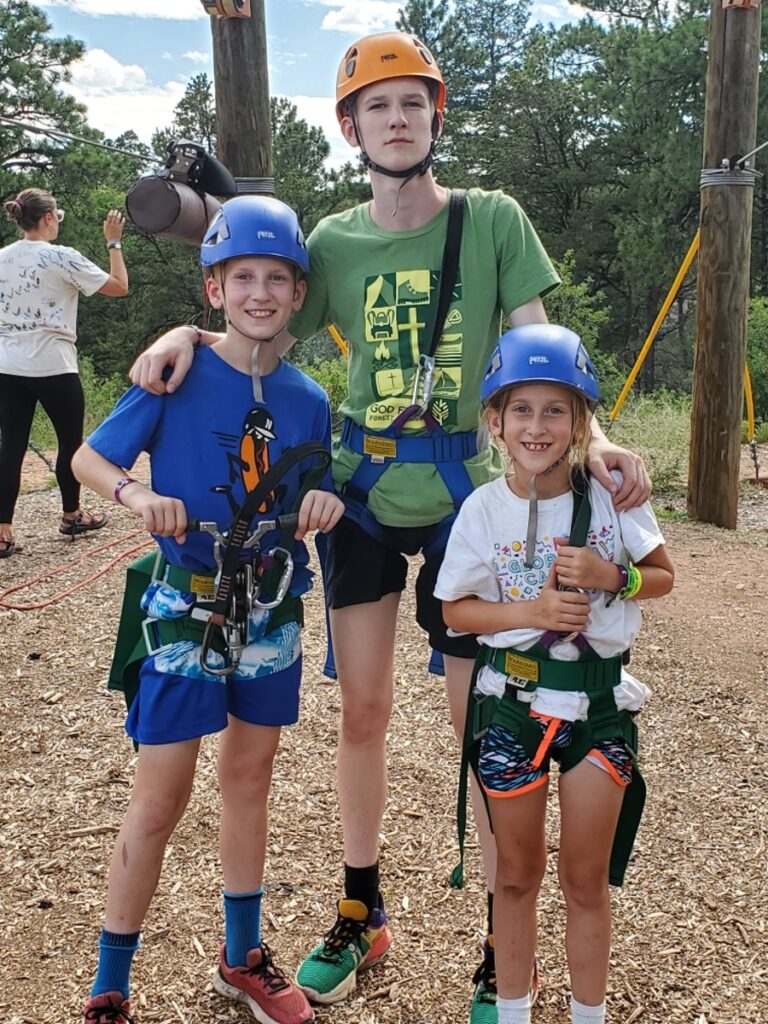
{"x":62,"y":399}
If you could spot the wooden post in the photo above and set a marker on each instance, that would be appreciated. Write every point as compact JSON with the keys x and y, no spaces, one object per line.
{"x":723,"y":279}
{"x":241,"y":83}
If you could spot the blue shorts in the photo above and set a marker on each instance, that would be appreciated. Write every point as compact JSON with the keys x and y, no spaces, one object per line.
{"x":169,"y":708}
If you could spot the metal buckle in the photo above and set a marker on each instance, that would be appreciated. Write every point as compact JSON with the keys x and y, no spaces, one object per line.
{"x":423,"y":383}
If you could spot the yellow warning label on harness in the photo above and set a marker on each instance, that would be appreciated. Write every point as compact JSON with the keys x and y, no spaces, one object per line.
{"x":203,"y":586}
{"x":518,"y":665}
{"x":383,"y":447}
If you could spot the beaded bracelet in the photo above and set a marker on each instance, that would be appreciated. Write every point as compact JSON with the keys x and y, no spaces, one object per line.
{"x":633,"y":586}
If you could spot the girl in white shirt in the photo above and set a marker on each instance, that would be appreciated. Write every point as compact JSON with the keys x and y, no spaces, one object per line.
{"x":554,"y":620}
{"x":40,"y":284}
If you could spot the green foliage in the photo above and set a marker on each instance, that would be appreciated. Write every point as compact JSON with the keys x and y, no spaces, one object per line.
{"x":331,"y":375}
{"x":101,"y":393}
{"x":658,"y":428}
{"x":757,"y":354}
{"x":194,"y":118}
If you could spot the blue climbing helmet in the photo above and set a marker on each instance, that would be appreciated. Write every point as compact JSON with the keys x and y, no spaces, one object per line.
{"x":540,"y":353}
{"x":254,"y":226}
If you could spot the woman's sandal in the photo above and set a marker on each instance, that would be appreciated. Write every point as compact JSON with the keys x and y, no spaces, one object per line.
{"x":7,"y":548}
{"x":83,"y":522}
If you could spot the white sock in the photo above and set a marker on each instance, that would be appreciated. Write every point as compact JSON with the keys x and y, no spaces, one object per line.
{"x":581,"y":1014}
{"x":514,"y":1011}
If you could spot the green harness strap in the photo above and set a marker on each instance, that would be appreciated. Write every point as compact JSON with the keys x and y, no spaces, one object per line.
{"x":130,"y":646}
{"x":592,"y":675}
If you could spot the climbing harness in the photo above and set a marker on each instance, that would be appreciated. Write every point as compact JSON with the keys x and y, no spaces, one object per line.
{"x":526,"y":670}
{"x":220,"y":601}
{"x":447,"y":451}
{"x":247,"y":589}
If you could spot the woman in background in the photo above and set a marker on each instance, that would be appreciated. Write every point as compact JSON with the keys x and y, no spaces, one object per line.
{"x":40,"y":284}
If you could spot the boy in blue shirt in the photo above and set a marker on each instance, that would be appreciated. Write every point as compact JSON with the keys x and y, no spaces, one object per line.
{"x":211,"y":443}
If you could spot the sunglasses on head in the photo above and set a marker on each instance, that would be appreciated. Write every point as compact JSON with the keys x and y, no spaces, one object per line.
{"x":59,"y":215}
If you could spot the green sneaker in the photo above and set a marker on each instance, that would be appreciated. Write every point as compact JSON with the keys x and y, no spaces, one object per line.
{"x":483,"y":1007}
{"x":357,"y":941}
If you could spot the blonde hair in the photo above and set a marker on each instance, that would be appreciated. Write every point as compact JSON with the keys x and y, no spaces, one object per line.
{"x":581,"y":412}
{"x":29,"y":206}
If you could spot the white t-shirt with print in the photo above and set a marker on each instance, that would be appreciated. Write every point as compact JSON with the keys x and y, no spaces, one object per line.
{"x":484,"y":558}
{"x":40,"y":284}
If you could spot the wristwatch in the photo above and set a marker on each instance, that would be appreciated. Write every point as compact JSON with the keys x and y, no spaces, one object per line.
{"x":114,"y":244}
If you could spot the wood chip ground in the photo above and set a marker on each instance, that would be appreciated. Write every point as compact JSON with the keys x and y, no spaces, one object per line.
{"x":691,"y":925}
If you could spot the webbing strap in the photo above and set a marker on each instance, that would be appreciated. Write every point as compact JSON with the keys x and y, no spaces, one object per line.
{"x":447,"y":452}
{"x":537,"y":669}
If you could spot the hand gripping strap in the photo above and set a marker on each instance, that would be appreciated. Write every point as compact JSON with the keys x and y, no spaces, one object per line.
{"x":238,"y":532}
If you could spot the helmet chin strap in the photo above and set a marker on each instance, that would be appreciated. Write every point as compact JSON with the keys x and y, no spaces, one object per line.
{"x":407,"y":173}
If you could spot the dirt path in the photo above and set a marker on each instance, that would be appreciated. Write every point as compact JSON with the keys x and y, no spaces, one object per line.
{"x":690,"y":925}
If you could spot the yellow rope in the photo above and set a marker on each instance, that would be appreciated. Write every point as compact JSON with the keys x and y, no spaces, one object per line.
{"x":334,"y":333}
{"x":684,"y":267}
{"x":750,"y":404}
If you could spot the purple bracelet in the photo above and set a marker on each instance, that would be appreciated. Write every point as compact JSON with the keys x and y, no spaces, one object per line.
{"x":624,"y":578}
{"x":121,"y":483}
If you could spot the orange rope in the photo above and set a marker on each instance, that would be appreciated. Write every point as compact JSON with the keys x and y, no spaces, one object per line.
{"x":63,"y":568}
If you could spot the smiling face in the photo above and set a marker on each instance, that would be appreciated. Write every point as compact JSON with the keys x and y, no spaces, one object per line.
{"x":536,"y":424}
{"x":394,"y":120}
{"x":257,"y":293}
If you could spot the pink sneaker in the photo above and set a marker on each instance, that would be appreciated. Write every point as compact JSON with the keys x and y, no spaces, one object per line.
{"x":108,"y":1008}
{"x":262,"y":986}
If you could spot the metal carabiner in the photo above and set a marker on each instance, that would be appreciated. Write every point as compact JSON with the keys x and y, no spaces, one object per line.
{"x":285,"y":579}
{"x":226,"y":670}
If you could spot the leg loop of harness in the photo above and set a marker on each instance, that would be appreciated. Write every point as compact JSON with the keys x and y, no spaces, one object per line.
{"x":604,"y":722}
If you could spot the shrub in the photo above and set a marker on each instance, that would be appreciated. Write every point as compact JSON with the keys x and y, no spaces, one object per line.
{"x":658,"y":428}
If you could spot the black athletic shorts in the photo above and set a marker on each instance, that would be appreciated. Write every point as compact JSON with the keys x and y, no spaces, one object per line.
{"x":360,"y":570}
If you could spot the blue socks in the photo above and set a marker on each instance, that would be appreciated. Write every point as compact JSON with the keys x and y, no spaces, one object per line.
{"x":242,"y":923}
{"x":115,"y":959}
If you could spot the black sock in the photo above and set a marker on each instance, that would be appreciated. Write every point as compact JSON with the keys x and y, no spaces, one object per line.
{"x":362,"y":884}
{"x":490,"y":913}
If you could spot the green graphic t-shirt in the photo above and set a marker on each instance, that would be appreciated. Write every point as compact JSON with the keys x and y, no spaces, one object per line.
{"x":380,"y":288}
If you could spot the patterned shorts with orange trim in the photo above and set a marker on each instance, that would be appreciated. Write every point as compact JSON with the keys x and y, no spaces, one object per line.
{"x":506,"y":769}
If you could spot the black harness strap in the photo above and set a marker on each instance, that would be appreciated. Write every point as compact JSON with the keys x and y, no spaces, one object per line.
{"x":238,"y":533}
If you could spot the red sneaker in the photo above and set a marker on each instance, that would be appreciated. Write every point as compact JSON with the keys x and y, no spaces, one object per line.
{"x":262,"y":986}
{"x":107,"y":1008}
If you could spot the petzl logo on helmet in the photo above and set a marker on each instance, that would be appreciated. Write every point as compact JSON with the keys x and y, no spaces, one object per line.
{"x":537,"y":359}
{"x":265,"y":234}
{"x":389,"y":56}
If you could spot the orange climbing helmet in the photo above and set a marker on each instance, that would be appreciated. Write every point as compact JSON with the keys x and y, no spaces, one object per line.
{"x":386,"y":55}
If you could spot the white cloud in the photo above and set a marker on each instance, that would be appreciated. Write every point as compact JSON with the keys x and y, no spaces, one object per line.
{"x":120,"y":97}
{"x":321,"y":111}
{"x":197,"y":56}
{"x":361,"y":16}
{"x":174,"y":10}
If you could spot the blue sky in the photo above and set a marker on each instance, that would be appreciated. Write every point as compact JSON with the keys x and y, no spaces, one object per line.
{"x":137,"y":63}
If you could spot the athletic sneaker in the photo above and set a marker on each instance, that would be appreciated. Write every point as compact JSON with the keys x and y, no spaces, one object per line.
{"x":107,"y":1008}
{"x":483,"y":1007}
{"x":265,"y":990}
{"x":358,"y":940}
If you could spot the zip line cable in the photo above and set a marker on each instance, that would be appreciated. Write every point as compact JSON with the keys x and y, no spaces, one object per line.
{"x":58,"y":135}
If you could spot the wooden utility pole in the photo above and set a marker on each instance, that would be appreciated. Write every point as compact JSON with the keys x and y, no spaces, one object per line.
{"x":723,"y":280}
{"x":241,"y":84}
